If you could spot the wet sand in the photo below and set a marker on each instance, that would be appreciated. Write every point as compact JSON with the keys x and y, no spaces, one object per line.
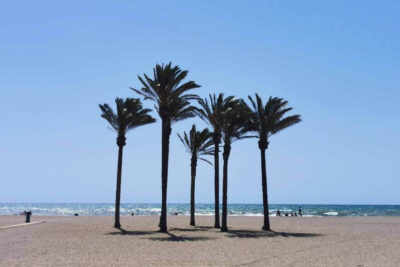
{"x":92,"y":241}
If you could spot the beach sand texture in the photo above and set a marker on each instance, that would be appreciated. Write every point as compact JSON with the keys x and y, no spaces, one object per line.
{"x":92,"y":241}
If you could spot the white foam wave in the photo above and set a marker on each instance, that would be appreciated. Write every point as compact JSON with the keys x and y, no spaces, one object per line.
{"x":332,"y":213}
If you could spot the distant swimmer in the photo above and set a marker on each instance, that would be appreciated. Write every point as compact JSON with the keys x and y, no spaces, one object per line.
{"x":300,"y":211}
{"x":278,"y":213}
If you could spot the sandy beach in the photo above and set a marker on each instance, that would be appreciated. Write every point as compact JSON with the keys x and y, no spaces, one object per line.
{"x":92,"y":241}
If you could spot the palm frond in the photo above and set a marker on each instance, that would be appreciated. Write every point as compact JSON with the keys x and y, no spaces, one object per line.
{"x":285,"y":123}
{"x":235,"y":123}
{"x":212,"y":110}
{"x":203,"y":159}
{"x":109,"y":115}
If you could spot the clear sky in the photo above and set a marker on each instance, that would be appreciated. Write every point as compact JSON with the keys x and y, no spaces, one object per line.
{"x":336,"y":62}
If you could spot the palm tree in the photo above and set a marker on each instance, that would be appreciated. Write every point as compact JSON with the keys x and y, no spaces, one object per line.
{"x":172,"y":104}
{"x":198,"y":144}
{"x":266,"y":121}
{"x":212,"y":113}
{"x":130,"y":114}
{"x":234,"y":127}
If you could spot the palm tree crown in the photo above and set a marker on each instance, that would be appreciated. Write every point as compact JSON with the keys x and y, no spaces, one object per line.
{"x":270,"y":119}
{"x":198,"y":143}
{"x":130,"y":114}
{"x":166,"y":90}
{"x":236,"y":124}
{"x":212,"y":112}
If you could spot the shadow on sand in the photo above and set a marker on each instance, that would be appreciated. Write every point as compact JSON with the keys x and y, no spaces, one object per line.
{"x":194,"y":229}
{"x":230,"y":234}
{"x":166,"y":236}
{"x":122,"y":231}
{"x":175,"y":238}
{"x":260,"y":234}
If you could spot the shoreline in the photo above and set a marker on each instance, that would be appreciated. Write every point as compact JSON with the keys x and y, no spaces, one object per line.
{"x":207,"y":216}
{"x":68,"y":209}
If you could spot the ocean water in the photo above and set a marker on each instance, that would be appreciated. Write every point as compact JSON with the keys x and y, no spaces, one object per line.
{"x":84,"y":209}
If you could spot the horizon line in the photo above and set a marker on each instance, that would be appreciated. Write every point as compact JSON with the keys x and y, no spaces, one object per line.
{"x":187,"y":203}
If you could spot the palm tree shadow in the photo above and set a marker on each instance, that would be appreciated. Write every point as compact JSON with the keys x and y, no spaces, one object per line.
{"x":125,"y":232}
{"x":174,"y":238}
{"x":194,"y":229}
{"x":265,"y":234}
{"x":286,"y":234}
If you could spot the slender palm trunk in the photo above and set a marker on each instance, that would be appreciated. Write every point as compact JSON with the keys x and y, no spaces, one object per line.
{"x":120,"y":143}
{"x":216,"y":181}
{"x":192,"y":189}
{"x":227,"y":151}
{"x":166,"y":131}
{"x":266,"y":226}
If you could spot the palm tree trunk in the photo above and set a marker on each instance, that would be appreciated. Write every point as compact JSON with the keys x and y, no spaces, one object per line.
{"x":227,"y":150}
{"x":192,"y":189}
{"x":266,"y":226}
{"x":117,"y":223}
{"x":166,"y":131}
{"x":216,"y":181}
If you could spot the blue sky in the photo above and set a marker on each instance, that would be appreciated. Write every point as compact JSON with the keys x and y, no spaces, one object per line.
{"x":336,"y":62}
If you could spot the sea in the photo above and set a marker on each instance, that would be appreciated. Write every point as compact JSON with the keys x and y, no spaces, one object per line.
{"x":101,"y":209}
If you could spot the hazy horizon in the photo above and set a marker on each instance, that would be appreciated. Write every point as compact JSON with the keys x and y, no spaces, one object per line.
{"x":203,"y":203}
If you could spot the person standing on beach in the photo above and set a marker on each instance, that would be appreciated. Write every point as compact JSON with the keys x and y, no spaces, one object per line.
{"x":300,"y":212}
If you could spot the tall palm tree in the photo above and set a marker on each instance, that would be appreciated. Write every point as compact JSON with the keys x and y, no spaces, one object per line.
{"x":168,"y":91}
{"x":130,"y":114}
{"x":198,"y":144}
{"x":266,"y":121}
{"x":212,"y":113}
{"x":234,"y":127}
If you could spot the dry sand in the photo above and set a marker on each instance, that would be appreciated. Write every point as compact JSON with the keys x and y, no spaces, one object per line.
{"x":92,"y":241}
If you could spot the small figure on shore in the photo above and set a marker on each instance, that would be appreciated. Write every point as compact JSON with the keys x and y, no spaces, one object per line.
{"x":291,"y":214}
{"x":295,"y":214}
{"x":278,"y":213}
{"x":300,"y":211}
{"x":76,"y":214}
{"x":28,"y":216}
{"x":286,"y":214}
{"x":175,"y":213}
{"x":132,"y":213}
